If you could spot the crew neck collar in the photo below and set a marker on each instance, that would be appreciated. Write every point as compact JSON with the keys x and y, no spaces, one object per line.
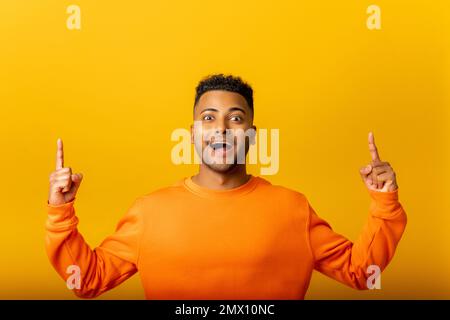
{"x":213,"y":193}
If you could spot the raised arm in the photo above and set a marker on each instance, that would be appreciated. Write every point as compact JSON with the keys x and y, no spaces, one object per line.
{"x":353,"y":262}
{"x":87,"y":272}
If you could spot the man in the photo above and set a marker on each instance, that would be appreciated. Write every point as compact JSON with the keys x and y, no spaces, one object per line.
{"x":223,"y":234}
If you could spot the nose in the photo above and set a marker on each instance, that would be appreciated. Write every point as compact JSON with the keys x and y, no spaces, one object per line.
{"x":220,"y":131}
{"x":221,"y":127}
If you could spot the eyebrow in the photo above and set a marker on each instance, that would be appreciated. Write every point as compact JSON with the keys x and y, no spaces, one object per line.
{"x":231,"y":109}
{"x":237,"y":109}
{"x":208,"y":109}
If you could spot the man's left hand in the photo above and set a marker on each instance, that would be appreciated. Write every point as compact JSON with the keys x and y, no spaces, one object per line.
{"x":378,"y":175}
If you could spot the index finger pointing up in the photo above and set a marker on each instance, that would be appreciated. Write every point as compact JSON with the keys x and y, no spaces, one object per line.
{"x":373,"y":148}
{"x":59,"y":155}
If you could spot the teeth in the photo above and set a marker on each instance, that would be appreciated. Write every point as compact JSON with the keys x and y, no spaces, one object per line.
{"x":217,"y":145}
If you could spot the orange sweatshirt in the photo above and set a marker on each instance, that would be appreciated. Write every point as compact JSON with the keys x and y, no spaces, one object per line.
{"x":257,"y":241}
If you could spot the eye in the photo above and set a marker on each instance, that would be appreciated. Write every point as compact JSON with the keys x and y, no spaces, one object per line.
{"x":236,"y":118}
{"x":207,"y":117}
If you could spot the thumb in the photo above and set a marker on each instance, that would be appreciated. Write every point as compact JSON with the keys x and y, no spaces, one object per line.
{"x":364,"y":171}
{"x":76,"y":181}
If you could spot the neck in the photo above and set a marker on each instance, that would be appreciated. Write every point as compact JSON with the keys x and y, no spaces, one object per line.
{"x":208,"y":178}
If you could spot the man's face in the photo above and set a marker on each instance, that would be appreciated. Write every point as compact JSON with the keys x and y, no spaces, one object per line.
{"x":225,"y":118}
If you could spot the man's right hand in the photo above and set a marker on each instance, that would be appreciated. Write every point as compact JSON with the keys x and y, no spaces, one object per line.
{"x":63,"y":184}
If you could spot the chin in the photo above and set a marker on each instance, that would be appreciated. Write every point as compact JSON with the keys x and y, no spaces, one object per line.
{"x":222,"y":168}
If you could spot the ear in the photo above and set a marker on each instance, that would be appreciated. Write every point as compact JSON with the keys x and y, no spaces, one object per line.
{"x":253,"y":136}
{"x":192,"y":134}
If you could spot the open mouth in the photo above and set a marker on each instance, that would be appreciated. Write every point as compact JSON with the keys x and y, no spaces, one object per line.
{"x":220,"y":145}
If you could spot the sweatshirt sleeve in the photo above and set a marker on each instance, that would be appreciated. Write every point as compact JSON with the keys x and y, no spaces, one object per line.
{"x":102,"y":268}
{"x":348,"y":262}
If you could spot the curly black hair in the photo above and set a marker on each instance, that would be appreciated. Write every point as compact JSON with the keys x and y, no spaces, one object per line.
{"x":227,"y":83}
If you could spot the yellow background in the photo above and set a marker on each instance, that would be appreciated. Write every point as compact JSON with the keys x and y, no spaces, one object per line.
{"x":116,"y":89}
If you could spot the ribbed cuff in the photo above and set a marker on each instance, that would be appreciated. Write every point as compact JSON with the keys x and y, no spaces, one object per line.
{"x":61,"y":217}
{"x":384,"y":204}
